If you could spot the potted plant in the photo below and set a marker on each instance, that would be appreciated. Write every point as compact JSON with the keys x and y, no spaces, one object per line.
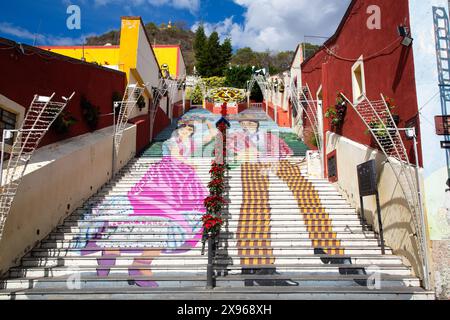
{"x":90,"y":113}
{"x":116,"y":97}
{"x":336,"y":113}
{"x":391,"y":106}
{"x":141,"y":103}
{"x":63,"y":122}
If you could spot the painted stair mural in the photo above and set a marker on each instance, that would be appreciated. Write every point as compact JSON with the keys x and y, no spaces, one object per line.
{"x":286,"y":235}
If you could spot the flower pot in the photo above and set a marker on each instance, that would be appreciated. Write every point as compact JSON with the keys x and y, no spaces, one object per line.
{"x":396,"y":119}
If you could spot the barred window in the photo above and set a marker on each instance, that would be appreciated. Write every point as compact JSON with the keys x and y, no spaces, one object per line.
{"x":7,"y":121}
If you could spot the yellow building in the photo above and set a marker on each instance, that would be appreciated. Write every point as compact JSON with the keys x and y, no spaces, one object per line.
{"x":171,"y":56}
{"x":127,"y":56}
{"x":135,"y":56}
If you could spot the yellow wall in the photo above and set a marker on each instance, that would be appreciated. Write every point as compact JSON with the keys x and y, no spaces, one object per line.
{"x":129,"y":41}
{"x":168,"y":55}
{"x":125,"y":56}
{"x":105,"y":56}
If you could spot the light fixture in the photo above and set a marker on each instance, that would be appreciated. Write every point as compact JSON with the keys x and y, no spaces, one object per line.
{"x":410,"y":133}
{"x":404,"y":32}
{"x":407,"y":41}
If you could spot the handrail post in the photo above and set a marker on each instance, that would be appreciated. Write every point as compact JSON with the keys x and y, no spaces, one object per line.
{"x":209,"y":269}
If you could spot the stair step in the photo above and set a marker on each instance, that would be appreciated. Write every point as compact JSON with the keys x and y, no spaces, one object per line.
{"x":199,"y":279}
{"x":223,"y":236}
{"x":275,"y":243}
{"x":193,"y":260}
{"x":277,"y":252}
{"x":340,"y":230}
{"x":245,"y":293}
{"x":305,"y":269}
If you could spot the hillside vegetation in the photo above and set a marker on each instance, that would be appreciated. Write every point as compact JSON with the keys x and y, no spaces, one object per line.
{"x":179,"y":33}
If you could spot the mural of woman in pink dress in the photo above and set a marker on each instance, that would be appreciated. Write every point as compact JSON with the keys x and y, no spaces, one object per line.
{"x":170,"y":196}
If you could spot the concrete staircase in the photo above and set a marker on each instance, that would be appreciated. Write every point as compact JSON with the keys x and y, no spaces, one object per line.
{"x":286,"y":236}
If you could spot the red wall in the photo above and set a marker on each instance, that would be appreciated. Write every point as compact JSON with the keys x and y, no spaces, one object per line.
{"x":283,"y":116}
{"x":142,"y":132}
{"x":391,"y":72}
{"x":161,"y":121}
{"x":40,"y":72}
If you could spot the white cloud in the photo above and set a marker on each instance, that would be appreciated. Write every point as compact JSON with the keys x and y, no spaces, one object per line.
{"x":192,"y":5}
{"x":280,"y":24}
{"x":9,"y":29}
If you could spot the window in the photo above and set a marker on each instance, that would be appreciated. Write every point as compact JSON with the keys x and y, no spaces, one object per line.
{"x":7,"y":121}
{"x":358,"y":81}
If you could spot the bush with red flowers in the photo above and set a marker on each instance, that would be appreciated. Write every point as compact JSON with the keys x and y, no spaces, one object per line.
{"x":214,"y":203}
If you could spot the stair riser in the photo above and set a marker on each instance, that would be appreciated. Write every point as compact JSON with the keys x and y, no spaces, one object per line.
{"x":232,"y":208}
{"x":231,"y":243}
{"x":182,"y":271}
{"x":341,"y":230}
{"x":162,"y":236}
{"x":195,"y":261}
{"x":280,"y":221}
{"x":319,"y":295}
{"x":277,"y":252}
{"x":233,"y":196}
{"x":84,"y":284}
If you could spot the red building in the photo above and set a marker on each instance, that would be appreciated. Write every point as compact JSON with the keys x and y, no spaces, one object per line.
{"x":31,"y":71}
{"x":358,"y":60}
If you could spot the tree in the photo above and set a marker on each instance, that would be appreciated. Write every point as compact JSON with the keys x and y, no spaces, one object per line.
{"x":245,"y":57}
{"x":237,"y":76}
{"x":227,"y":54}
{"x":213,"y":57}
{"x":200,"y":48}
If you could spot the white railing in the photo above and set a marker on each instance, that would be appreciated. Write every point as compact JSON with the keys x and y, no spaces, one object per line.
{"x":38,"y":119}
{"x":378,"y":119}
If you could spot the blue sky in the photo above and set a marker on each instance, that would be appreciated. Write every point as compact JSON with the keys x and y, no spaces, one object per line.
{"x":260,"y":24}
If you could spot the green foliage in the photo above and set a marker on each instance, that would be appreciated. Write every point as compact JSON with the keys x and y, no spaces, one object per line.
{"x":63,"y":122}
{"x":273,"y":62}
{"x":309,"y":49}
{"x":313,"y":140}
{"x":196,"y":94}
{"x":214,"y":82}
{"x":90,"y":113}
{"x":379,"y":129}
{"x":211,"y":56}
{"x":141,"y":103}
{"x":237,"y":76}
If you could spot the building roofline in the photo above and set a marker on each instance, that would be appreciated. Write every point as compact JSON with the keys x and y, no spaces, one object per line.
{"x":337,"y":32}
{"x":78,"y":47}
{"x":172,"y":46}
{"x":295,"y":54}
{"x":146,"y":36}
{"x":52,"y":55}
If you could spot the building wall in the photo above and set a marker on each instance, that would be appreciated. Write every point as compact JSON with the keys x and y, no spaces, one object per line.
{"x":170,"y":55}
{"x":389,"y":71}
{"x":104,"y":55}
{"x":437,"y":200}
{"x":39,"y":72}
{"x":396,"y":217}
{"x":59,"y":178}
